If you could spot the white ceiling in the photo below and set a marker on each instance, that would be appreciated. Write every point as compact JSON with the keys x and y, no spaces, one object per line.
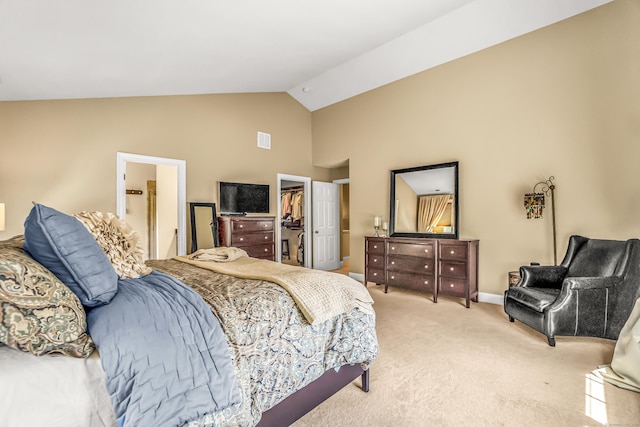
{"x":431,"y":181}
{"x":320,"y":52}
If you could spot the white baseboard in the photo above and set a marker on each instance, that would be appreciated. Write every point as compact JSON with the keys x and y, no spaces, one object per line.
{"x":490,"y":298}
{"x":482,"y":296}
{"x":359,"y":277}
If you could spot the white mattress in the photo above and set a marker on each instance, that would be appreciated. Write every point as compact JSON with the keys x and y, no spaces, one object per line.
{"x":52,"y":391}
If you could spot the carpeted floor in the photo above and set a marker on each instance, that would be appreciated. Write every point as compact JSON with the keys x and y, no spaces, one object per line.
{"x":445,"y":365}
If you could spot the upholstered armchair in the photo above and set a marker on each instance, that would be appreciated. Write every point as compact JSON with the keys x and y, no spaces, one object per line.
{"x":591,"y":293}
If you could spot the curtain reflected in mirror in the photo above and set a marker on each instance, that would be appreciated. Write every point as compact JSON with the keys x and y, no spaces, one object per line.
{"x":431,"y":213}
{"x":424,"y":201}
{"x":204,"y":228}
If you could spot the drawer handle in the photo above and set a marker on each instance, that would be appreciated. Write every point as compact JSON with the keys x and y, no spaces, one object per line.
{"x":241,"y":239}
{"x":375,"y":260}
{"x":451,"y":285}
{"x":241,"y":225}
{"x":393,"y":262}
{"x":451,"y":269}
{"x":393,"y":248}
{"x":426,"y":266}
{"x":453,"y":252}
{"x":266,"y":237}
{"x":375,"y":246}
{"x":393,"y":277}
{"x":266,"y":225}
{"x":266,"y":250}
{"x":426,"y":251}
{"x":426,"y":282}
{"x":375,"y":274}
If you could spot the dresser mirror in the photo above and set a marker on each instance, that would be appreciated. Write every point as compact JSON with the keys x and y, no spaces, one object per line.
{"x":204,"y":229}
{"x":424,"y":201}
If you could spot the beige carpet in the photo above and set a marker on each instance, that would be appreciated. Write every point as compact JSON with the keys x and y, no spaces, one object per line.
{"x":445,"y":365}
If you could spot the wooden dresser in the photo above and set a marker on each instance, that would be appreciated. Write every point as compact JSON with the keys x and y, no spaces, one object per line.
{"x":438,"y":266}
{"x":254,"y":234}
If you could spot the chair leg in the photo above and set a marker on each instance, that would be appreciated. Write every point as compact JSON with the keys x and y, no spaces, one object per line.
{"x":552,"y":341}
{"x":511,"y":319}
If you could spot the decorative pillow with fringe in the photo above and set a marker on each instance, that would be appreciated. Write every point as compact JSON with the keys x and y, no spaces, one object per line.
{"x":119,"y":241}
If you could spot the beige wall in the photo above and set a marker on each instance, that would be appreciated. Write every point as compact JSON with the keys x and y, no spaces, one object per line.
{"x":562,"y":101}
{"x":138,"y":174}
{"x":406,"y":207}
{"x":63,"y":153}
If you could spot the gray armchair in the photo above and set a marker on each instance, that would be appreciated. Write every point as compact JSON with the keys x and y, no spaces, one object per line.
{"x":591,"y":293}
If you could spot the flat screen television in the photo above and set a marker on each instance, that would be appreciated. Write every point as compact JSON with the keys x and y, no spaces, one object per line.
{"x":238,"y":199}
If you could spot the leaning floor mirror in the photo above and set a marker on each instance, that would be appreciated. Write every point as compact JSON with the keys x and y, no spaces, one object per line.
{"x":424,"y":201}
{"x":204,"y":229}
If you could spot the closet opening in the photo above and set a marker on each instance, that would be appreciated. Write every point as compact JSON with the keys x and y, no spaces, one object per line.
{"x":293,"y":220}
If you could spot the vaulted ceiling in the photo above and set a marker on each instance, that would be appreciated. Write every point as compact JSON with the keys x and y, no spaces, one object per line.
{"x":320,"y":52}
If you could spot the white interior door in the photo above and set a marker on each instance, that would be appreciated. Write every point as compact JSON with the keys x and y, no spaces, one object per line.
{"x":326,"y":225}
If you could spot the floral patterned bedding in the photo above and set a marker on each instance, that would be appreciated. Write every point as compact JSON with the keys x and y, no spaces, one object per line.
{"x":275,"y":351}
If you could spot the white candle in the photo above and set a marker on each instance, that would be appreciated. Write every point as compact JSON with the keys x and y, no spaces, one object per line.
{"x":376,"y":221}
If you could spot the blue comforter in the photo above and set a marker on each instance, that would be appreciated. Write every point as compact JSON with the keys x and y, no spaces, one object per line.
{"x":165,"y":356}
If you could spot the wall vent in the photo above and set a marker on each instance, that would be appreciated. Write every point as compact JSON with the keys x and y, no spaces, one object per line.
{"x":264,"y":140}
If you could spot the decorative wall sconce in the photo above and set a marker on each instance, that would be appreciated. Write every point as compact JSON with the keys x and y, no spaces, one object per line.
{"x":534,"y":205}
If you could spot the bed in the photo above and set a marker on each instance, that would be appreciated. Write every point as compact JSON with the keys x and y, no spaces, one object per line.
{"x":277,"y":362}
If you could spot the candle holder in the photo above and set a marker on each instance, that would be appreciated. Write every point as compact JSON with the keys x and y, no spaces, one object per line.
{"x":377,"y":220}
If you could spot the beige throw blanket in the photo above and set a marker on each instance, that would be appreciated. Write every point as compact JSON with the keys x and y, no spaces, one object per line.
{"x":221,"y":254}
{"x":320,"y":295}
{"x":624,"y":370}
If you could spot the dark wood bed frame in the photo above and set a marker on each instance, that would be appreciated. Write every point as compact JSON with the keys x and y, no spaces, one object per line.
{"x":304,"y":400}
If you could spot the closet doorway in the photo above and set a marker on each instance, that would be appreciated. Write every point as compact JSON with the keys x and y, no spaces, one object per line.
{"x":293,"y":244}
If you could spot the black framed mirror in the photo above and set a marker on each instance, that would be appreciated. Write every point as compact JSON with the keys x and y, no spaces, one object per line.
{"x":204,"y":225}
{"x":423,"y":201}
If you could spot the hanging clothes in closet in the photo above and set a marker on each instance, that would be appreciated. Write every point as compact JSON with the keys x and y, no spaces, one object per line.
{"x":292,"y":208}
{"x":286,"y":204}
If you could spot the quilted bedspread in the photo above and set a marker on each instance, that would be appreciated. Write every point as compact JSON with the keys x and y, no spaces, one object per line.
{"x":165,"y":356}
{"x":320,"y":295}
{"x":275,"y":350}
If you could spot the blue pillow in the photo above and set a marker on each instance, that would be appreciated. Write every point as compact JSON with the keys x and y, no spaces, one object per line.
{"x":62,"y":244}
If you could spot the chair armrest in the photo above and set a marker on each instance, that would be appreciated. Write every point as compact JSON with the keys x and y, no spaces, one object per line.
{"x":542,"y":276}
{"x":578,"y":283}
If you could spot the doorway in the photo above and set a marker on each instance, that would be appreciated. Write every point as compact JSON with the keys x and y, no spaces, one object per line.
{"x":169,"y":236}
{"x":292,"y":234}
{"x":345,"y":229}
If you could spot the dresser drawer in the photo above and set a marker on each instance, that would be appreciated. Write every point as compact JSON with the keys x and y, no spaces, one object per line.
{"x":453,"y":269}
{"x":266,"y":250}
{"x":375,"y":261}
{"x":374,"y":246}
{"x":453,"y":252}
{"x":411,"y":281}
{"x":454,"y":287}
{"x":249,"y":225}
{"x":242,"y":239}
{"x":410,"y":249}
{"x":411,"y":265}
{"x":374,"y":275}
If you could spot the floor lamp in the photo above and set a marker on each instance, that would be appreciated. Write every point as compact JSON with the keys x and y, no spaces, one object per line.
{"x":534,"y":204}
